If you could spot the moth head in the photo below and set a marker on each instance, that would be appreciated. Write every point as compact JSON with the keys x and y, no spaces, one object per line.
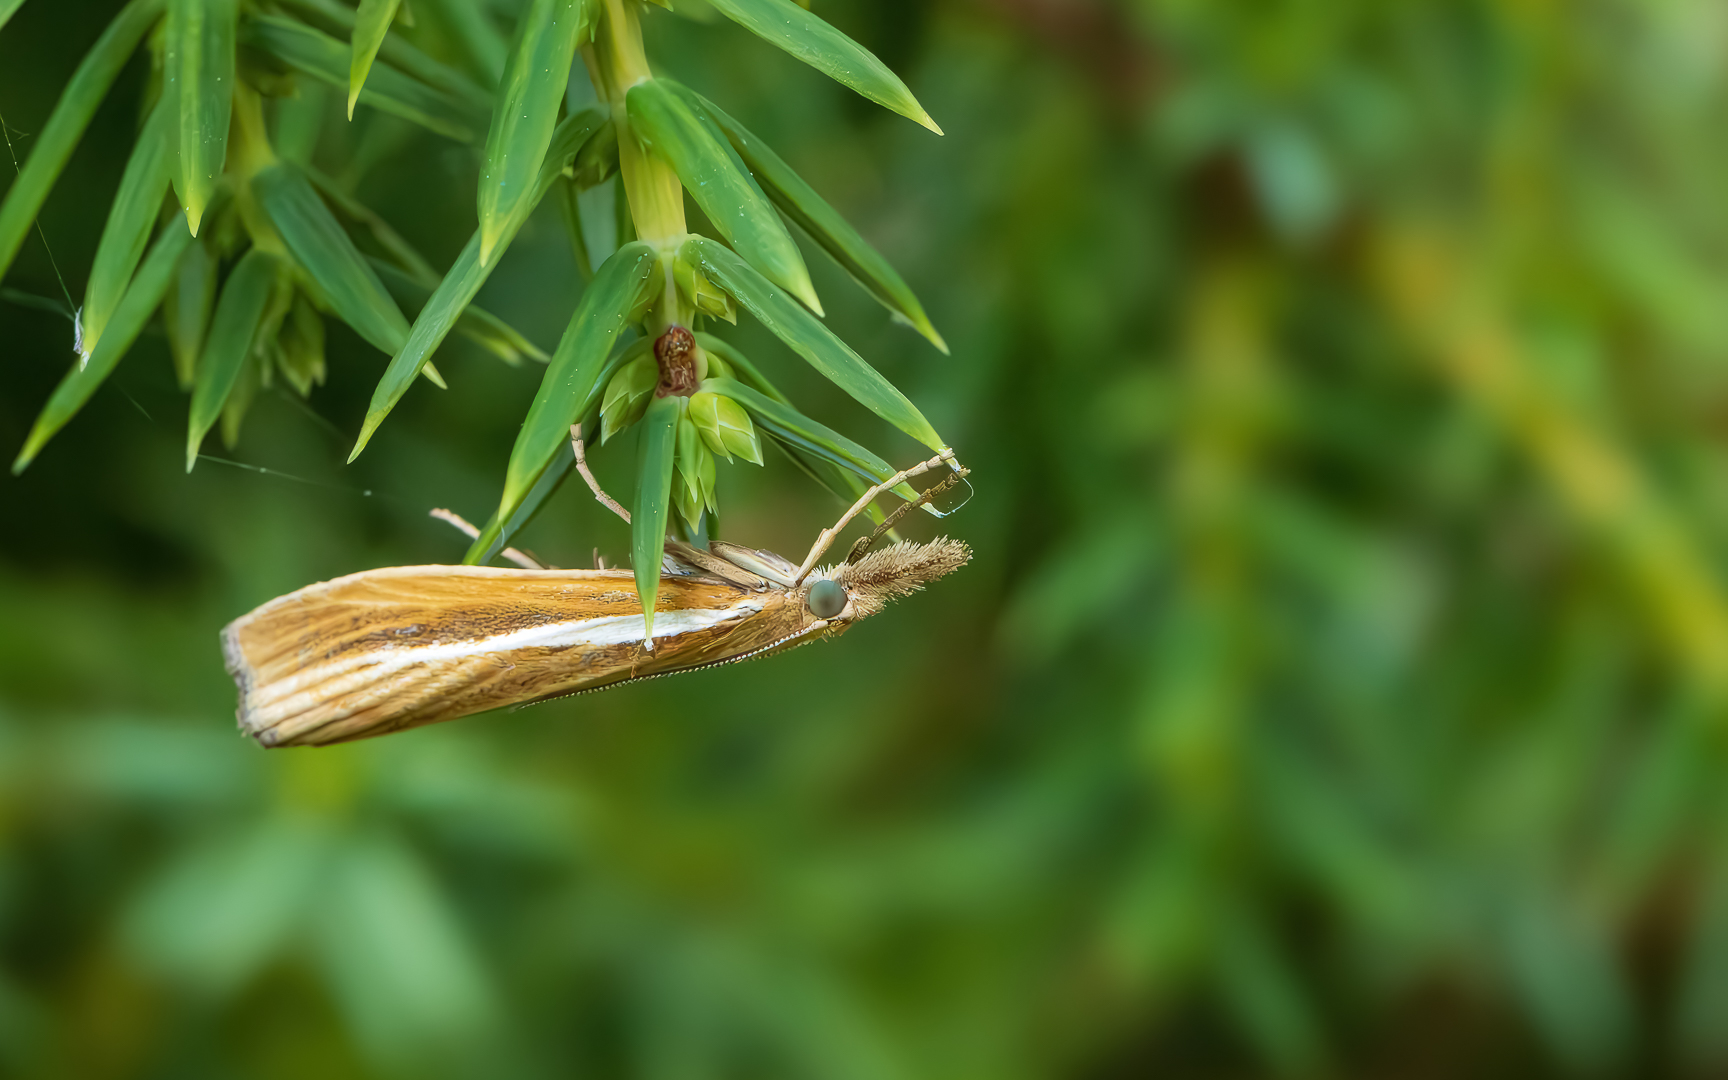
{"x":856,"y":590}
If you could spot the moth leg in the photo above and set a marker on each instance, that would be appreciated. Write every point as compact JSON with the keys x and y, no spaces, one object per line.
{"x":593,"y":485}
{"x":526,"y":562}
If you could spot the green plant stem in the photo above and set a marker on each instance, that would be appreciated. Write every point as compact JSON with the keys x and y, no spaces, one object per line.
{"x":618,"y":62}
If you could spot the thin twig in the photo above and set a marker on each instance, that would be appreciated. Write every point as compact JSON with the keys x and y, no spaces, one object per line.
{"x":526,"y":562}
{"x":593,"y":485}
{"x":828,"y":535}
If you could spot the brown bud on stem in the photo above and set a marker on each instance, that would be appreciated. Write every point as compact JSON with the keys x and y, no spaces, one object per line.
{"x":675,"y":352}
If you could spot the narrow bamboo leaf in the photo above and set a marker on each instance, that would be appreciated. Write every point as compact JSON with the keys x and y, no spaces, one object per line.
{"x":720,"y":183}
{"x":238,"y":312}
{"x":806,"y":36}
{"x":474,"y":34}
{"x":790,"y":425}
{"x":65,"y":125}
{"x":843,"y":482}
{"x":134,"y":310}
{"x":405,"y":254}
{"x":475,"y":323}
{"x":326,"y":252}
{"x":371,"y":23}
{"x":525,"y":113}
{"x":186,"y":309}
{"x":573,"y":380}
{"x":302,"y":347}
{"x":653,"y":493}
{"x":8,"y":8}
{"x":568,"y":198}
{"x":198,"y":72}
{"x":240,"y":399}
{"x":752,"y":375}
{"x":340,"y":21}
{"x":810,"y":339}
{"x":799,"y":201}
{"x":130,"y":219}
{"x":388,"y":90}
{"x":464,"y":279}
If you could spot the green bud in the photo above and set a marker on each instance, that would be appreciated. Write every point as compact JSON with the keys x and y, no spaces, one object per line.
{"x":597,"y":160}
{"x":627,"y":396}
{"x":301,"y":356}
{"x":693,"y":483}
{"x":724,"y":425}
{"x":701,"y":293}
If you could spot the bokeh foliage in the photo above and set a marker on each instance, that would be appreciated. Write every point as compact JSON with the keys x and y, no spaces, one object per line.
{"x":1338,"y":687}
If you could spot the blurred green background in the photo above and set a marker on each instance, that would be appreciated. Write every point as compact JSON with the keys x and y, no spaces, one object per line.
{"x":1339,"y":687}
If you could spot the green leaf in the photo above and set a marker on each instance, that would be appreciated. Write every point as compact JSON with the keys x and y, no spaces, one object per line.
{"x":525,"y":113}
{"x":810,"y":339}
{"x":387,"y":90}
{"x":629,"y":391}
{"x":131,"y":217}
{"x":751,"y":375}
{"x":134,"y":309}
{"x":238,"y":313}
{"x":799,"y":201}
{"x":198,"y":72}
{"x":341,"y":21}
{"x":328,"y":255}
{"x":653,"y":491}
{"x":792,"y":426}
{"x":240,"y":398}
{"x":302,"y":347}
{"x":371,"y":23}
{"x":186,"y":309}
{"x":387,"y":238}
{"x":574,"y":379}
{"x":721,"y":185}
{"x":598,"y":159}
{"x":464,"y":279}
{"x":475,"y":323}
{"x":804,"y":35}
{"x":842,"y":482}
{"x":695,"y":473}
{"x":474,"y":34}
{"x":8,"y":8}
{"x":65,"y":126}
{"x":543,"y":489}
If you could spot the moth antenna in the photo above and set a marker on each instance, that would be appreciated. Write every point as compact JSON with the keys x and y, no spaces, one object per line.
{"x":593,"y":485}
{"x":861,"y":546}
{"x":526,"y":562}
{"x":864,"y":500}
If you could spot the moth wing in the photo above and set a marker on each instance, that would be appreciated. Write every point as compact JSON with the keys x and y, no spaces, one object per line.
{"x":388,"y":649}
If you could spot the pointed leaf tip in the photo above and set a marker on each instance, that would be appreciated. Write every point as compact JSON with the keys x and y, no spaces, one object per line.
{"x":808,"y":37}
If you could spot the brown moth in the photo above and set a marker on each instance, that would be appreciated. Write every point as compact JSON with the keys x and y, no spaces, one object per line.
{"x":384,"y":650}
{"x":389,"y":649}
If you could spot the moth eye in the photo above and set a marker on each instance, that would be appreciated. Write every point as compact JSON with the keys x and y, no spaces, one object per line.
{"x":827,"y":599}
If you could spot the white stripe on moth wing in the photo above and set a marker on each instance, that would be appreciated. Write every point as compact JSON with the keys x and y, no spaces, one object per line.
{"x":365,"y":667}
